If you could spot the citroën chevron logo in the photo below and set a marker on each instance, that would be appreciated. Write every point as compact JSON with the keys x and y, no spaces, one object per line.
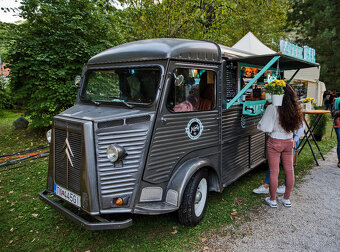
{"x":68,"y":151}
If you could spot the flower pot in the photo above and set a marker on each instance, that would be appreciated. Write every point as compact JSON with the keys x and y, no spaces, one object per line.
{"x":277,"y":100}
{"x":306,"y":106}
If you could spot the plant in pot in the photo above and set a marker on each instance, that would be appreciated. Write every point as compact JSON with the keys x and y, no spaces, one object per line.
{"x":275,"y":88}
{"x":307,"y":103}
{"x":320,"y":129}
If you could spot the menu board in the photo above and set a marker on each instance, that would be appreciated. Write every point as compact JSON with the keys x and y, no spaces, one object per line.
{"x":231,"y":81}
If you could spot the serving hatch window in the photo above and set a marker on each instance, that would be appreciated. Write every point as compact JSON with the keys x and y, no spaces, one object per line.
{"x":126,"y":85}
{"x":257,"y":90}
{"x":192,"y":90}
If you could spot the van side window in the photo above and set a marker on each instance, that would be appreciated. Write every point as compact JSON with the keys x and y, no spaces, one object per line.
{"x":231,"y":81}
{"x":192,"y":90}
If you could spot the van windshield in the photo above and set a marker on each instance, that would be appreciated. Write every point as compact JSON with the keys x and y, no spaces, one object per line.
{"x":125,"y":85}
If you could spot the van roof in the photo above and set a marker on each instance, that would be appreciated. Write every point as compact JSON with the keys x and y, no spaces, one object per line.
{"x":167,"y":48}
{"x":189,"y":50}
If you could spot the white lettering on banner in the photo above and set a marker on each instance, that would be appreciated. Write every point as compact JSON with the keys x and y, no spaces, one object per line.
{"x":293,"y":50}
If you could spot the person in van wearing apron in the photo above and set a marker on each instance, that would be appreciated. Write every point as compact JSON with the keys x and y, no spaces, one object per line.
{"x":280,"y":123}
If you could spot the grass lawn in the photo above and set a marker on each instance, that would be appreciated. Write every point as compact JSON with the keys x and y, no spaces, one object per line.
{"x":26,"y":223}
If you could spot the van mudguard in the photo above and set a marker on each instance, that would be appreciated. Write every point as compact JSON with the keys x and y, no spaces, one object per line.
{"x":183,"y":174}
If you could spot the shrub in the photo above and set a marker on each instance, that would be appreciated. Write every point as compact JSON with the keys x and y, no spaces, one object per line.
{"x":50,"y":48}
{"x":6,"y":100}
{"x":320,"y":129}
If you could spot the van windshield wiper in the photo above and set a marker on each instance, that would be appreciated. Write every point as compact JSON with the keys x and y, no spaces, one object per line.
{"x":97,"y":103}
{"x":118,"y":99}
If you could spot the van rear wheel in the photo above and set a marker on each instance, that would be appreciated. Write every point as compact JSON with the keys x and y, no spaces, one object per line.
{"x":194,"y":200}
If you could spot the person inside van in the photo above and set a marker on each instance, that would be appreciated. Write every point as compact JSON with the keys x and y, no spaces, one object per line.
{"x":134,"y":85}
{"x":280,"y":123}
{"x":205,"y":93}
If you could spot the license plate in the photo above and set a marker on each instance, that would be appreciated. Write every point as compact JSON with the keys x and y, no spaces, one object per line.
{"x":67,"y":195}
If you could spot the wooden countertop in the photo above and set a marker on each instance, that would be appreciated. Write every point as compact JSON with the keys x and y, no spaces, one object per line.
{"x":316,"y":111}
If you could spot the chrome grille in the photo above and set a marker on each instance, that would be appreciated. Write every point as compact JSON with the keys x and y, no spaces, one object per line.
{"x":67,"y":175}
{"x":116,"y":180}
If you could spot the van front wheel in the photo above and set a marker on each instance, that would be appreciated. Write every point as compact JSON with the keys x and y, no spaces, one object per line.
{"x":194,"y":200}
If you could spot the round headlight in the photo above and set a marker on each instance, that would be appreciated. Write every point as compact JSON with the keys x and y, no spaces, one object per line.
{"x":49,"y":135}
{"x":112,"y":153}
{"x":115,"y":152}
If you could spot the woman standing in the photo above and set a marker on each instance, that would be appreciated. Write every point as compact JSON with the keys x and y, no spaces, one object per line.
{"x":336,"y":115}
{"x":280,"y":123}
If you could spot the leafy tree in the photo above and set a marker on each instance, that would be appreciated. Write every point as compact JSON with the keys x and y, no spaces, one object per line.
{"x":316,"y":24}
{"x":6,"y":39}
{"x":221,"y":21}
{"x":51,"y":47}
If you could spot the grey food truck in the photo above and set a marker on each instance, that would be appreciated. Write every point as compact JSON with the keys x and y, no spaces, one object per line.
{"x":157,"y":125}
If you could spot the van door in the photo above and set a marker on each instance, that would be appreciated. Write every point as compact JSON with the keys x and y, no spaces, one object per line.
{"x":187,"y":125}
{"x":243,"y":146}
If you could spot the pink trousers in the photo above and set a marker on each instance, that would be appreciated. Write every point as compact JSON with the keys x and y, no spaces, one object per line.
{"x":277,"y":148}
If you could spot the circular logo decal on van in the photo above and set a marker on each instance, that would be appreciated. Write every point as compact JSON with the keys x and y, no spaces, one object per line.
{"x":194,"y":129}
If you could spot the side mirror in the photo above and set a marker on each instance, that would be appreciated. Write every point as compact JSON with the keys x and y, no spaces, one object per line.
{"x":77,"y":81}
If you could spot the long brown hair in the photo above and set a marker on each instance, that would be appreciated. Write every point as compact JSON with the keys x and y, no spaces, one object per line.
{"x":290,"y":113}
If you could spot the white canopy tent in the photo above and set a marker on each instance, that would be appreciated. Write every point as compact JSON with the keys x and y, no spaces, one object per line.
{"x":250,"y":43}
{"x":315,"y":88}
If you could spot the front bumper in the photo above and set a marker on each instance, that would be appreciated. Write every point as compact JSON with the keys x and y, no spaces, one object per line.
{"x":102,"y":225}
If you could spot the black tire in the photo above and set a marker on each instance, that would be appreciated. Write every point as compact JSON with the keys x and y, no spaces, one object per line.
{"x":186,"y":212}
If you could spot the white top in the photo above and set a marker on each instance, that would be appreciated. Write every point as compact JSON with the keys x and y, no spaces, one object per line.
{"x":269,"y":123}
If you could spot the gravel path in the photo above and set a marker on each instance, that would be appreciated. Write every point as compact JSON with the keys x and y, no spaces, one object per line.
{"x":311,"y":224}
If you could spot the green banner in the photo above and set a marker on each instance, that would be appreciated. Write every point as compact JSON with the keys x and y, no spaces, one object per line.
{"x":253,"y":108}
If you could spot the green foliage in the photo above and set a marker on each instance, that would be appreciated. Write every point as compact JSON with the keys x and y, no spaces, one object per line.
{"x":58,"y":36}
{"x":221,"y":21}
{"x":102,"y":85}
{"x":316,"y":24}
{"x":6,"y":101}
{"x":275,"y":87}
{"x":320,"y":129}
{"x":6,"y":39}
{"x":51,"y":47}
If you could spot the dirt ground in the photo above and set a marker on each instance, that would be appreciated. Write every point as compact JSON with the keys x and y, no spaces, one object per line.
{"x":311,"y":224}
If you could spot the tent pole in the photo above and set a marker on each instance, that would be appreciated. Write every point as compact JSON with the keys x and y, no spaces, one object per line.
{"x":291,"y":78}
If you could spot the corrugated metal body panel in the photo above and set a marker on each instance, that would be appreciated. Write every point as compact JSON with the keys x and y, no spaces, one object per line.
{"x":235,"y":148}
{"x":243,"y":145}
{"x":235,"y":158}
{"x":67,"y":174}
{"x":231,"y":123}
{"x":171,"y":142}
{"x":120,"y":178}
{"x":257,"y":148}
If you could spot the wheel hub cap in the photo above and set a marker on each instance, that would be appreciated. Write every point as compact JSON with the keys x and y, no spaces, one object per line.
{"x":198,"y":197}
